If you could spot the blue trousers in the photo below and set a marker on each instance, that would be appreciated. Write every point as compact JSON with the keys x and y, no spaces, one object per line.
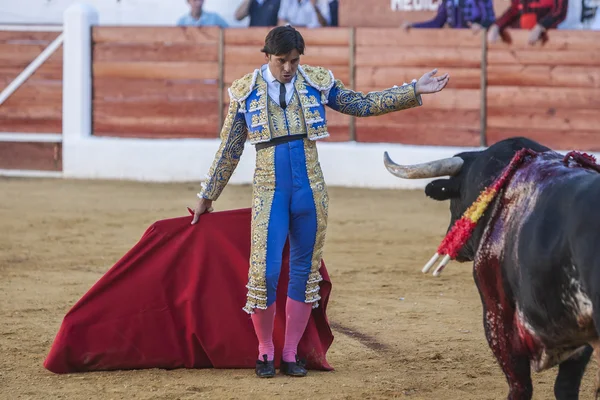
{"x":289,"y":200}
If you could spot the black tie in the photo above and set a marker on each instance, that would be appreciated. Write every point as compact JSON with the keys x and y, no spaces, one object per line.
{"x":282,"y":102}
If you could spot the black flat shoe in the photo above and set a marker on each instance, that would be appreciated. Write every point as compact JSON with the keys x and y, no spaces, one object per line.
{"x":293,"y":368}
{"x":265,"y":369}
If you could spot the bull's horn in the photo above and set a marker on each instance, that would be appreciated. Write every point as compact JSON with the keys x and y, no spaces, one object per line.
{"x":432,"y":169}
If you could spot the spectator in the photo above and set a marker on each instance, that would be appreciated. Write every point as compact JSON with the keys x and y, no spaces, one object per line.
{"x":580,"y":15}
{"x":536,"y":15}
{"x":306,"y":13}
{"x":261,"y":12}
{"x":199,"y":17}
{"x":473,"y":14}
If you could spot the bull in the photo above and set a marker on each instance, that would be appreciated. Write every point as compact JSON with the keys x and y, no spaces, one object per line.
{"x":535,"y":262}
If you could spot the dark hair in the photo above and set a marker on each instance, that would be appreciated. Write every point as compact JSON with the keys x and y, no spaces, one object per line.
{"x":282,"y":40}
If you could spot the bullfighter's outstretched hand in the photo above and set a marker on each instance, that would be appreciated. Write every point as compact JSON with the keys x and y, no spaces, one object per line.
{"x":429,"y":83}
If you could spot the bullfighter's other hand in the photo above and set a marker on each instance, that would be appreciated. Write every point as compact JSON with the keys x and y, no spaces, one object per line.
{"x":429,"y":83}
{"x":203,"y":205}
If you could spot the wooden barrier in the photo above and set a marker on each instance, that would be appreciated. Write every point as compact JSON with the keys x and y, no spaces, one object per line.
{"x":169,"y":82}
{"x":36,"y":106}
{"x":156,"y":82}
{"x":387,"y":57}
{"x":549,"y":93}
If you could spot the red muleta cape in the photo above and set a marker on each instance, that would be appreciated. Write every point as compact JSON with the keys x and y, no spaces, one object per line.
{"x":175,"y":301}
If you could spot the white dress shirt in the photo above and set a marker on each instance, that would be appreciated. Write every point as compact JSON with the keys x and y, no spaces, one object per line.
{"x":273,"y":85}
{"x":303,"y":13}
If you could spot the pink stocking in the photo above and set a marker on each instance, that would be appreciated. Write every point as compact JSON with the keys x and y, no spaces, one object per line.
{"x":263,"y":326}
{"x":297,"y":315}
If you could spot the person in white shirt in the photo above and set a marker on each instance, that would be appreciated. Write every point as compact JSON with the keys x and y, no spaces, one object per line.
{"x":304,"y":13}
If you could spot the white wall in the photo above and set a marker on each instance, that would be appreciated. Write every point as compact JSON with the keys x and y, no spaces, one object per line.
{"x":111,"y":12}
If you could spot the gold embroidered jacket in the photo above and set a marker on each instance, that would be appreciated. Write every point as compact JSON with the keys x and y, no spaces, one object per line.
{"x":254,"y":116}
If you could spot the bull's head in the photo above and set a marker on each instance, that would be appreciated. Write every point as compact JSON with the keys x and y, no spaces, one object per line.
{"x":467,"y":173}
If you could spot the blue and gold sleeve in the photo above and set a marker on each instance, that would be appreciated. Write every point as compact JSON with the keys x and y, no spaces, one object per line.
{"x":372,"y":104}
{"x":233,"y":137}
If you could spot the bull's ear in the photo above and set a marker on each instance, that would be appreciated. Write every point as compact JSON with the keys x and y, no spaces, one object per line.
{"x":442,"y":189}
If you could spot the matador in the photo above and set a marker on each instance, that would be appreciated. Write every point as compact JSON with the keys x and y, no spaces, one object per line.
{"x":280,"y":109}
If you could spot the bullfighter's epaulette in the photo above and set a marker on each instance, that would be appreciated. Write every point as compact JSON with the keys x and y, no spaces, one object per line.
{"x":241,"y":88}
{"x":318,"y":77}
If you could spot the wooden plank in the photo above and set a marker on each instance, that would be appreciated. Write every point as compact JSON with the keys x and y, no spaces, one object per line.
{"x":171,"y":52}
{"x":560,"y":140}
{"x":34,"y":156}
{"x":548,"y":57}
{"x":338,"y":134}
{"x":40,"y":77}
{"x":426,"y":57}
{"x":434,"y":119}
{"x":399,"y":38}
{"x":543,"y":119}
{"x":562,"y":40}
{"x":31,"y":125}
{"x":23,"y":54}
{"x":156,"y":70}
{"x":43,"y":92}
{"x":537,"y":75}
{"x":448,"y":99}
{"x":337,"y":119}
{"x":382,"y":77}
{"x":317,"y":55}
{"x":549,"y":97}
{"x":107,"y":110}
{"x":26,"y":37}
{"x":417,"y":135}
{"x":157,"y":126}
{"x":35,"y":110}
{"x":134,"y":90}
{"x":236,"y":71}
{"x":167,"y":134}
{"x":255,"y":37}
{"x":50,"y":70}
{"x":153,"y":34}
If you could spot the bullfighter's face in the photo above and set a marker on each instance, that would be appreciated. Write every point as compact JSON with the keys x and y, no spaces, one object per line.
{"x":284,"y":66}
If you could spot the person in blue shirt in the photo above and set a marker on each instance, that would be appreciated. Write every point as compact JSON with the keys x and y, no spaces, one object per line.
{"x":199,"y":17}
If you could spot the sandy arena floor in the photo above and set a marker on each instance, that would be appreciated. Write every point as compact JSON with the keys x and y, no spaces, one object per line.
{"x":398,"y":333}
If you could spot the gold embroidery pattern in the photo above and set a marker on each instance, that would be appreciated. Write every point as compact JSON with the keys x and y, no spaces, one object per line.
{"x":262,"y":193}
{"x":241,"y":88}
{"x":317,"y":132}
{"x":276,"y":119}
{"x":255,"y":106}
{"x":318,"y":77}
{"x":321,"y":199}
{"x":311,"y":117}
{"x":295,"y":119}
{"x":288,"y":122}
{"x":382,"y":102}
{"x":233,"y":137}
{"x":259,"y":129}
